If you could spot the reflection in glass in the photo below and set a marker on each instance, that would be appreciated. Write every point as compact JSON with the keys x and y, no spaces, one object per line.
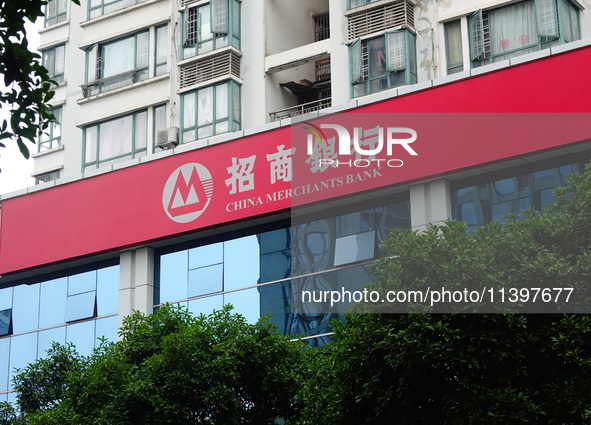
{"x":82,"y":282}
{"x":4,"y":358}
{"x":241,"y":262}
{"x":81,"y":306}
{"x":82,"y":336}
{"x":25,"y":311}
{"x":5,"y":298}
{"x":107,"y":294}
{"x":353,"y":248}
{"x":206,"y":255}
{"x":23,"y":350}
{"x":53,"y":302}
{"x":48,"y":336}
{"x":206,"y":305}
{"x":5,"y":316}
{"x":246,"y":302}
{"x":173,"y":276}
{"x":106,"y":328}
{"x":206,"y":280}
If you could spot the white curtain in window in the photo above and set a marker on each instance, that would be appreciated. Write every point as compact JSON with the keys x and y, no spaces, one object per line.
{"x":512,"y":27}
{"x":142,"y":50}
{"x":395,"y":46}
{"x":546,"y":10}
{"x":118,"y":57}
{"x":453,"y":38}
{"x":205,"y":106}
{"x":141,"y":130}
{"x":90,"y":142}
{"x":219,"y":16}
{"x":60,"y":53}
{"x":189,"y":110}
{"x":91,"y":64}
{"x":115,"y":137}
{"x":221,"y":101}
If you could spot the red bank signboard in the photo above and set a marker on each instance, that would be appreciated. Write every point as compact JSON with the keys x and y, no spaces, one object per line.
{"x":337,"y":155}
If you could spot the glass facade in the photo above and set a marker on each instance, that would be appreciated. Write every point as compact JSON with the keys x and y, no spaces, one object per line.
{"x":259,"y":274}
{"x":79,"y":308}
{"x":492,"y":200}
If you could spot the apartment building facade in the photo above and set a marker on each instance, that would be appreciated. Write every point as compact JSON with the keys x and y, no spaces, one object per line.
{"x":172,"y":173}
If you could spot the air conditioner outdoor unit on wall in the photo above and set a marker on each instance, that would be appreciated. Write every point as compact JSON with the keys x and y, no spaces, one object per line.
{"x":169,"y":138}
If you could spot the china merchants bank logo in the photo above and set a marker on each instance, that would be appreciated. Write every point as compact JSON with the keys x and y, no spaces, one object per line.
{"x":187,"y":192}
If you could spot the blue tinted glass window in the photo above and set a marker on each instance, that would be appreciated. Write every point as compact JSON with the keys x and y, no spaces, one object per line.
{"x":107,"y":328}
{"x":206,"y":255}
{"x":206,"y":280}
{"x":82,"y":282}
{"x":275,"y":266}
{"x":23,"y":350}
{"x":11,"y":398}
{"x":4,"y":397}
{"x":545,"y":173}
{"x":25,"y":312}
{"x":246,"y":302}
{"x":546,"y":197}
{"x":53,"y":302}
{"x":276,"y":240}
{"x":5,"y":298}
{"x":48,"y":336}
{"x":81,"y":306}
{"x":206,"y":305}
{"x":505,"y":187}
{"x":5,"y":316}
{"x":4,"y":357}
{"x":107,"y":292}
{"x":173,"y":276}
{"x":241,"y":262}
{"x":82,"y":336}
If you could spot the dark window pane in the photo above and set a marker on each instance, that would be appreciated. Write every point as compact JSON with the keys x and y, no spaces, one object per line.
{"x":5,"y":316}
{"x":277,"y":240}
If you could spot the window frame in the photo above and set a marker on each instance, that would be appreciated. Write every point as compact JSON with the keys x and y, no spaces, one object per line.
{"x":47,"y":177}
{"x":58,"y":78}
{"x":98,"y":65}
{"x":234,"y":123}
{"x":50,"y":131}
{"x":542,"y":42}
{"x":452,"y":68}
{"x":159,"y":65}
{"x":60,"y":16}
{"x":96,"y":163}
{"x":105,"y":4}
{"x":410,"y":59}
{"x":197,"y":46}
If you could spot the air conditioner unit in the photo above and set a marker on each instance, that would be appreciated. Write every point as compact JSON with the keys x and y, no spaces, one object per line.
{"x":169,"y":138}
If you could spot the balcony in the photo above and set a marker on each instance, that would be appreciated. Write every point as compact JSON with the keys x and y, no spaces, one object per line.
{"x":301,"y":109}
{"x":103,"y":85}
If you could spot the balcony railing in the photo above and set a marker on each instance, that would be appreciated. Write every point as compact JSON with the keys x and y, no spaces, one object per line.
{"x":113,"y":82}
{"x":304,"y":108}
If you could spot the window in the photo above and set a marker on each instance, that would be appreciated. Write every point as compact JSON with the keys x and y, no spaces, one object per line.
{"x":47,"y":177}
{"x":55,"y":11}
{"x":102,"y":7}
{"x":493,"y":200}
{"x":117,"y":63}
{"x":383,"y":62}
{"x":52,"y":135}
{"x":521,"y":28}
{"x":161,"y":50}
{"x":115,"y":140}
{"x":209,"y":111}
{"x":453,"y":47}
{"x":321,"y":27}
{"x":159,"y":120}
{"x":357,"y":3}
{"x":210,"y":27}
{"x":54,"y":61}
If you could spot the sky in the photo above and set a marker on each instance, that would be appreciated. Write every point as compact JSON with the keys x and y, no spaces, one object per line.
{"x":15,"y":169}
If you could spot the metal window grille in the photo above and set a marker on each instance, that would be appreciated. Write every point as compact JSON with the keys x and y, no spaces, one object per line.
{"x":201,"y":70}
{"x":398,"y":14}
{"x":321,"y":27}
{"x":192,"y":29}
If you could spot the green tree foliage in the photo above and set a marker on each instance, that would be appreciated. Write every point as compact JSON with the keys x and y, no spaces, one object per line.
{"x":28,"y":86}
{"x":469,"y":368}
{"x":172,"y":368}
